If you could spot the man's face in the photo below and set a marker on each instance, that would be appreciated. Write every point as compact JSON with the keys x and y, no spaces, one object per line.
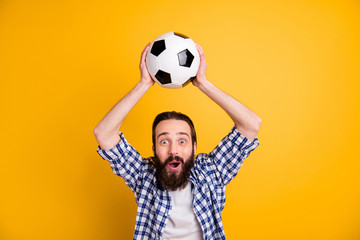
{"x":174,"y":153}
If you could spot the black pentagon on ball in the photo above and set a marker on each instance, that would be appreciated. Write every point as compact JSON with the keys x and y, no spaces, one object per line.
{"x":163,"y":77}
{"x":185,"y":58}
{"x":158,"y":47}
{"x":180,"y":35}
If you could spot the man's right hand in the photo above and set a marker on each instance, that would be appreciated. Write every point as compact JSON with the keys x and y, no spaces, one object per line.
{"x":145,"y":75}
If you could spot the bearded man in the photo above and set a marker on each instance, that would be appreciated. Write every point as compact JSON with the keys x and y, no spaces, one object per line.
{"x":178,"y":196}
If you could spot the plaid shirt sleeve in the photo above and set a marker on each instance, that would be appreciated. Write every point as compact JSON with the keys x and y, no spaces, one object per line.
{"x":125,"y":162}
{"x":229,"y":155}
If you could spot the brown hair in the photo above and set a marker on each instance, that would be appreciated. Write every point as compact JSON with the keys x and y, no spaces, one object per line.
{"x":173,"y":115}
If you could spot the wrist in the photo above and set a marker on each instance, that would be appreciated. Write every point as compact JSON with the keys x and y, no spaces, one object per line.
{"x":146,"y":82}
{"x":203,"y":84}
{"x":143,"y":86}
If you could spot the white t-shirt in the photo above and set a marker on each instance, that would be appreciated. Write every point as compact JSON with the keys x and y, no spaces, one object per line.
{"x":182,"y":223}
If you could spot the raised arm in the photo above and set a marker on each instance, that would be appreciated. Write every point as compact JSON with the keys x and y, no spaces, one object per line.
{"x":106,"y":132}
{"x":246,"y":121}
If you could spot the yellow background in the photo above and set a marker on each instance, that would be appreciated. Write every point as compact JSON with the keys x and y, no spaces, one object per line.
{"x":64,"y":64}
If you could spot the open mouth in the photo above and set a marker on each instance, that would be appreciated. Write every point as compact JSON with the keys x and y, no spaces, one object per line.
{"x":174,"y":165}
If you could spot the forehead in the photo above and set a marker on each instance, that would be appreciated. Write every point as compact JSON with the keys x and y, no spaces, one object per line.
{"x":172,"y":126}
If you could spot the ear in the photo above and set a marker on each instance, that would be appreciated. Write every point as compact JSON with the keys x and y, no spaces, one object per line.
{"x":195,"y":148}
{"x":153,"y":149}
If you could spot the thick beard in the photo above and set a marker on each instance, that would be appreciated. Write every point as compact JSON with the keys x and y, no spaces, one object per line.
{"x":173,"y":180}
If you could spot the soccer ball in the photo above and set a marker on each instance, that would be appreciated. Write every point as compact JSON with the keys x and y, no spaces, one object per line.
{"x":173,"y":60}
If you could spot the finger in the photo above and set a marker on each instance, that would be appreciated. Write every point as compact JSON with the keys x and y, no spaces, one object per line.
{"x":144,"y":52}
{"x":201,"y":54}
{"x":199,"y":48}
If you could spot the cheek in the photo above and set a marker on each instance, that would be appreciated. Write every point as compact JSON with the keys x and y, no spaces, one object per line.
{"x":161,"y":153}
{"x":187,"y":152}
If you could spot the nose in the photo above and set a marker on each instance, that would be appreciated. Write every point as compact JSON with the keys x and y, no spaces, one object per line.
{"x":173,"y":150}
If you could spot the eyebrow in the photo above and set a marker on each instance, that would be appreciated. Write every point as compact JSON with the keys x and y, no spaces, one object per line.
{"x":167,"y":133}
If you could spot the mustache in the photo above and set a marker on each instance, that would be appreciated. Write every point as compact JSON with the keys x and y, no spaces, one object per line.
{"x":171,"y":158}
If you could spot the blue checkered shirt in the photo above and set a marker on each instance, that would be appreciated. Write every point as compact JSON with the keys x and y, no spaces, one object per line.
{"x":209,"y":177}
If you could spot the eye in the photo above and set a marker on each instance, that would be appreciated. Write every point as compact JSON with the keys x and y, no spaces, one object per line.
{"x":164,"y":141}
{"x":182,"y":141}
